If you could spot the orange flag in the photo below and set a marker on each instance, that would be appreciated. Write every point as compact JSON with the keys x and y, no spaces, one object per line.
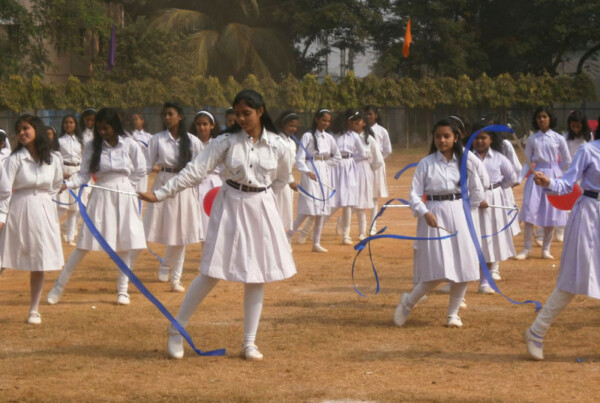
{"x":407,"y":39}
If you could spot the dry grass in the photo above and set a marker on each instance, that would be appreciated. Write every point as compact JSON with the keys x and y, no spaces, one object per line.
{"x":321,"y":340}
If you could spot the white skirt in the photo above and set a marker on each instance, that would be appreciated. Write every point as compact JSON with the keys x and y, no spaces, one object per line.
{"x":210,"y":182}
{"x":115,"y":215}
{"x":453,"y":259}
{"x":142,"y":185}
{"x":536,"y":209}
{"x":364,"y":190}
{"x":30,"y":239}
{"x":491,"y":220}
{"x":380,"y":189}
{"x":68,"y":202}
{"x":580,"y":260}
{"x":344,"y":178}
{"x":285,"y":204}
{"x":509,"y":196}
{"x":176,"y":220}
{"x":247,"y":242}
{"x":309,"y":206}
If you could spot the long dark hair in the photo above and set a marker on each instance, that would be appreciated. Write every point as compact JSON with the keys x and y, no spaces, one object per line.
{"x":78,"y":134}
{"x":313,"y":128}
{"x":185,"y":144}
{"x":578,"y":116}
{"x":41,"y":142}
{"x":255,"y":101}
{"x":539,"y":110}
{"x":457,"y":147}
{"x":111,"y":117}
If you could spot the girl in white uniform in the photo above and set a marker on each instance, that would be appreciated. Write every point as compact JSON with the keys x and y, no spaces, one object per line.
{"x":205,"y":127}
{"x":247,"y":242}
{"x":325,"y":155}
{"x":143,"y":139}
{"x":176,"y":222}
{"x":86,"y":123}
{"x":366,"y":167}
{"x":118,"y":163}
{"x":580,"y":260}
{"x":385,"y":146}
{"x":509,"y":152}
{"x":29,"y":230}
{"x":288,"y":126}
{"x":499,"y":247}
{"x":543,"y":149}
{"x":71,"y":148}
{"x":437,"y":179}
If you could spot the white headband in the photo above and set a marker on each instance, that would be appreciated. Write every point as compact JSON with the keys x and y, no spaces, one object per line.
{"x":3,"y":132}
{"x":89,"y":109}
{"x":288,"y":116}
{"x":353,"y":115}
{"x":212,"y":119}
{"x":324,"y":110}
{"x":461,"y":122}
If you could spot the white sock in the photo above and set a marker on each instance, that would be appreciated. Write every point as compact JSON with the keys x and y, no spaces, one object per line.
{"x":421,"y":289}
{"x":557,"y":301}
{"x":374,"y":212}
{"x":548,"y":233}
{"x":298,"y":222}
{"x":361,"y":215}
{"x":74,"y":259}
{"x":122,"y":279}
{"x":346,"y":218}
{"x":318,"y":229}
{"x":253,"y":302}
{"x":174,"y":258}
{"x":457,"y":294}
{"x":197,"y":291}
{"x":527,"y":235}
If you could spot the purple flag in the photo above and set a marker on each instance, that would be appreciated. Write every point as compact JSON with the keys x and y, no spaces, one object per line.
{"x":112,"y":50}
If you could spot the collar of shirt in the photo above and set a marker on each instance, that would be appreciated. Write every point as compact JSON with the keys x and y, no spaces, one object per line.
{"x":264,"y":137}
{"x":170,"y":137}
{"x":440,"y":157}
{"x":105,"y":145}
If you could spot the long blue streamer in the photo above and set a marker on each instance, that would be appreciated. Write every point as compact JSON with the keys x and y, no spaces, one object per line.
{"x":467,"y":209}
{"x":507,"y":226}
{"x":400,"y":172}
{"x":312,"y":163}
{"x":134,"y":279}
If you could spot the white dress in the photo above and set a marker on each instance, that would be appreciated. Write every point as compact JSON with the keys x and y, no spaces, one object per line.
{"x":177,"y":220}
{"x":247,"y":242}
{"x":365,"y":169}
{"x":509,"y":152}
{"x":385,"y":146}
{"x":491,"y":220}
{"x":454,"y":259}
{"x":212,"y":180}
{"x":71,"y":150}
{"x":30,"y":239}
{"x":285,"y":197}
{"x":345,"y":173}
{"x":143,"y":138}
{"x":325,"y":160}
{"x":580,"y":260}
{"x":115,"y":215}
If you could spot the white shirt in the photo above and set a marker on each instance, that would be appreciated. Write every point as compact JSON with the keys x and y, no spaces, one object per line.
{"x":219,"y":168}
{"x":327,"y":148}
{"x":290,"y":146}
{"x":70,"y":148}
{"x":125,"y":158}
{"x":544,"y":148}
{"x":350,"y":143}
{"x":372,"y":152}
{"x":435,"y":175}
{"x":499,"y":168}
{"x":574,"y":145}
{"x":383,"y":138}
{"x":163,"y":150}
{"x":509,"y":152}
{"x":261,"y":164}
{"x":88,"y":135}
{"x":20,"y":172}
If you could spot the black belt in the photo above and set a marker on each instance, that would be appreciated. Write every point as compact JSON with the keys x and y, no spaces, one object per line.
{"x":245,"y":188}
{"x":71,"y":164}
{"x":590,"y":193}
{"x":324,"y":158}
{"x":494,"y":186}
{"x":347,"y":156}
{"x":170,"y":170}
{"x":452,"y":196}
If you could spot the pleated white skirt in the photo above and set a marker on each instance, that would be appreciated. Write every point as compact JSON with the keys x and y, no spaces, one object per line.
{"x":365,"y":185}
{"x":491,"y":220}
{"x":210,"y":182}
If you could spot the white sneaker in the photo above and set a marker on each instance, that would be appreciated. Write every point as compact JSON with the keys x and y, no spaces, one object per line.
{"x":339,"y":229}
{"x":123,"y":299}
{"x":347,"y":241}
{"x":163,"y":273}
{"x":174,"y":343}
{"x":373,"y":232}
{"x":361,"y":237}
{"x":523,"y":255}
{"x":177,"y":287}
{"x":301,"y":237}
{"x":463,"y":304}
{"x":65,"y":238}
{"x":72,"y":243}
{"x":54,"y":294}
{"x":539,"y":241}
{"x":546,"y":255}
{"x":535,"y":345}
{"x":34,"y":318}
{"x":453,"y":321}
{"x":318,"y":248}
{"x":402,"y":311}
{"x":496,"y":276}
{"x":486,"y":289}
{"x":251,"y":353}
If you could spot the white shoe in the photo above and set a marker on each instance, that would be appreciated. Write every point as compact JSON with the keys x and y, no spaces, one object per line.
{"x":453,"y":321}
{"x":72,"y":243}
{"x":402,"y":311}
{"x":163,"y":273}
{"x":318,"y":248}
{"x":65,"y":238}
{"x":339,"y":229}
{"x":361,"y":237}
{"x":54,"y":294}
{"x":523,"y":255}
{"x":486,"y":289}
{"x":535,"y":346}
{"x":123,"y":299}
{"x":34,"y":318}
{"x":177,"y":287}
{"x":421,"y":300}
{"x":174,"y":343}
{"x":546,"y":255}
{"x":373,"y":232}
{"x":463,"y":304}
{"x":301,"y":238}
{"x":347,"y":241}
{"x":496,"y":276}
{"x":251,"y":353}
{"x":445,"y":288}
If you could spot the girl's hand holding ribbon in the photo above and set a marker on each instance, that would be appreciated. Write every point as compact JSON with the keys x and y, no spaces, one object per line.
{"x":312,"y":176}
{"x":430,"y":219}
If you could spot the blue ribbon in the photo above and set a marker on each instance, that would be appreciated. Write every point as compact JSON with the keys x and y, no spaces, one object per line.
{"x":467,"y":209}
{"x":312,"y":163}
{"x":64,"y":204}
{"x":400,"y":172}
{"x":134,"y":279}
{"x":507,"y":226}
